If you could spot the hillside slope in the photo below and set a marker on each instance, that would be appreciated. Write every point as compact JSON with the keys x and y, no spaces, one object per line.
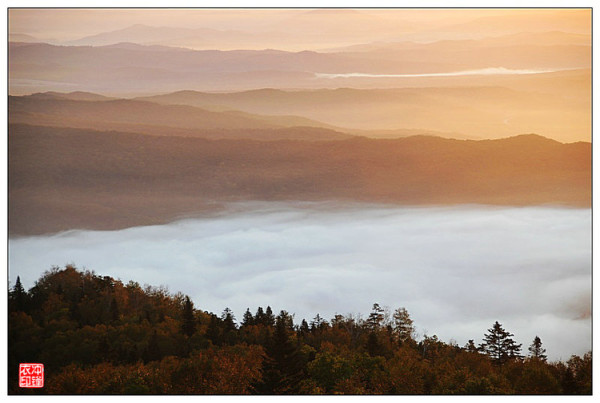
{"x":62,"y":179}
{"x":91,"y":111}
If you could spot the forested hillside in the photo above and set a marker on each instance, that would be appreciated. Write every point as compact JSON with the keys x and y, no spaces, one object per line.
{"x":97,"y":335}
{"x":61,"y":179}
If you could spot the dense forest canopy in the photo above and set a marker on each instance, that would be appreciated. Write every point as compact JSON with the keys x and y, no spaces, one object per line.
{"x":96,"y":335}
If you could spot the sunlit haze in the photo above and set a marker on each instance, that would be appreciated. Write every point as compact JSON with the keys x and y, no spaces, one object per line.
{"x":511,"y":71}
{"x":401,"y":173}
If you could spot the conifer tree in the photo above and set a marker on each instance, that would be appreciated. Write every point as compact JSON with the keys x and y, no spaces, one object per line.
{"x":269,"y":317}
{"x":188,"y":325}
{"x":282,"y":369}
{"x":213,"y":331}
{"x":536,"y":350}
{"x":248,"y":319}
{"x":317,"y":323}
{"x":259,"y":318}
{"x":375,"y":318}
{"x":18,"y":296}
{"x":403,"y":325}
{"x":304,"y":329}
{"x":471,"y":347}
{"x":228,"y":326}
{"x":499,"y":345}
{"x":228,"y":320}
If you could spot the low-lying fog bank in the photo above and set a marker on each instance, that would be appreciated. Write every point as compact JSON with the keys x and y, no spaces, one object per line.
{"x":456,"y":269}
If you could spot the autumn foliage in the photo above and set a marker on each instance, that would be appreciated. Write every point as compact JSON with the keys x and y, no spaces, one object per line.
{"x":96,"y":335}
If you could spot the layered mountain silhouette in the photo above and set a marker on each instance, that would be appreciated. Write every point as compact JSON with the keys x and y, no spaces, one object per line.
{"x":313,"y":28}
{"x":119,"y":66}
{"x":61,"y":178}
{"x":85,"y":110}
{"x":556,"y":106}
{"x":145,"y":120}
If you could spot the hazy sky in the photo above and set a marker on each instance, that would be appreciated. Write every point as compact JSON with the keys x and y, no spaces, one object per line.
{"x":358,"y":48}
{"x":70,"y":24}
{"x":456,"y":270}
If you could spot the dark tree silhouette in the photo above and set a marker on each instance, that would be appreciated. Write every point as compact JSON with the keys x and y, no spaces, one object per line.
{"x":188,"y":326}
{"x":228,"y":320}
{"x":260,"y":318}
{"x":248,"y":319}
{"x":304,"y":329}
{"x":536,"y":350}
{"x":18,"y":297}
{"x":471,"y":347}
{"x":375,"y":317}
{"x":139,"y":354}
{"x":318,"y":324}
{"x":282,"y":369}
{"x":228,"y":326}
{"x":269,"y":317}
{"x":499,"y":345}
{"x":213,"y":331}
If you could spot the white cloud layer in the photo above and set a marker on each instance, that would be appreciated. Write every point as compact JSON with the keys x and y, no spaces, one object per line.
{"x":490,"y":71}
{"x":456,"y":270}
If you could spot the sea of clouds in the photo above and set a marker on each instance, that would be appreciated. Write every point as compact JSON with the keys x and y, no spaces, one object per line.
{"x":455,"y":269}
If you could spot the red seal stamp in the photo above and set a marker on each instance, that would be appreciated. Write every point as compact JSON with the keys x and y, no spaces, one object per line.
{"x":31,"y":375}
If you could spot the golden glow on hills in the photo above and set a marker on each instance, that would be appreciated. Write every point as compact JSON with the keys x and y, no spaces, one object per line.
{"x":478,"y":73}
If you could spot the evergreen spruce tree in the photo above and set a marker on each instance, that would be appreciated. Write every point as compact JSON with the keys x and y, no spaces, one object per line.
{"x":304,"y":329}
{"x":375,"y":317}
{"x":228,"y":320}
{"x":282,"y":368}
{"x":536,"y":350}
{"x":18,"y":297}
{"x":269,"y":317}
{"x":228,"y":326}
{"x":213,"y":332}
{"x":248,"y":319}
{"x":188,"y":325}
{"x":318,"y":324}
{"x":260,"y":318}
{"x":499,"y":345}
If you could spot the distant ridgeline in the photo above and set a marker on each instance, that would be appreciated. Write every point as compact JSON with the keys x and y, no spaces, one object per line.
{"x":66,"y":178}
{"x":96,"y":335}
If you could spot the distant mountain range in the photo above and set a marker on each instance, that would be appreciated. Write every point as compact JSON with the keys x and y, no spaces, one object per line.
{"x":62,"y":178}
{"x":126,"y":68}
{"x":472,"y":111}
{"x":145,"y":124}
{"x":92,"y":111}
{"x":499,"y":111}
{"x":312,"y":28}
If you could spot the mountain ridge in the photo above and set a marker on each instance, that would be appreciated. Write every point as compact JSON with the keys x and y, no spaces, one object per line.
{"x":86,"y":110}
{"x":63,"y":178}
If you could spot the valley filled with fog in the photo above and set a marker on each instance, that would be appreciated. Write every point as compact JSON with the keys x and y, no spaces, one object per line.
{"x":455,"y":269}
{"x":192,"y":191}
